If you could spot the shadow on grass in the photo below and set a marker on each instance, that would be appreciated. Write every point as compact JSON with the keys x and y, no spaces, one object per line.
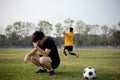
{"x":69,"y":74}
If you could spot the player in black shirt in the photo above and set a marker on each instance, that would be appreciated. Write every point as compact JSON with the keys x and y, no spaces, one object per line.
{"x":48,"y":57}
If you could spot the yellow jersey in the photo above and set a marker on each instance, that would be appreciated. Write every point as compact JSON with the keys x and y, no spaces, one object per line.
{"x":68,"y":41}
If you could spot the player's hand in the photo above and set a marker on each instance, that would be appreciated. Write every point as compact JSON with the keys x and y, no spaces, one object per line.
{"x":66,"y":29}
{"x":35,"y":44}
{"x":26,"y":58}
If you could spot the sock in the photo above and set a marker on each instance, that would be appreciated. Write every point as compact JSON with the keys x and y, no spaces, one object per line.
{"x":42,"y":68}
{"x":65,"y":53}
{"x":72,"y":53}
{"x":51,"y":69}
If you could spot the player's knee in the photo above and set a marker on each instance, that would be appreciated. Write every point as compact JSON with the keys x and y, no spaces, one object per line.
{"x":43,"y":60}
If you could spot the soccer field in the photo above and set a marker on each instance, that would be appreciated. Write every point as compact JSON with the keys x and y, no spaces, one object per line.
{"x":105,"y":61}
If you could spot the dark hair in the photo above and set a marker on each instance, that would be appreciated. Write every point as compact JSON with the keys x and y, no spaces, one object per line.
{"x":37,"y":35}
{"x":71,"y":29}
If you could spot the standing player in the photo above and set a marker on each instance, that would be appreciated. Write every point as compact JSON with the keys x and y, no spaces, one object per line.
{"x":68,"y":42}
{"x":48,"y":57}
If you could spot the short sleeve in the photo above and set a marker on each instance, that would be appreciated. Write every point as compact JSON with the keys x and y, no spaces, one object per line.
{"x":50,"y":44}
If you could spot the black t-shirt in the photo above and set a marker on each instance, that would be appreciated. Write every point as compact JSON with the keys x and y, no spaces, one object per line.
{"x":49,"y":44}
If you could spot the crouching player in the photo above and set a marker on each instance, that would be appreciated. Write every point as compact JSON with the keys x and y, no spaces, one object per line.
{"x":48,"y":59}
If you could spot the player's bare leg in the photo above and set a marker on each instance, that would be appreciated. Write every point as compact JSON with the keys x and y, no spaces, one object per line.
{"x":46,"y":62}
{"x":35,"y":59}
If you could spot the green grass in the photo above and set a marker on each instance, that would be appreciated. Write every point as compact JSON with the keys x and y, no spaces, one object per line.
{"x":105,"y":61}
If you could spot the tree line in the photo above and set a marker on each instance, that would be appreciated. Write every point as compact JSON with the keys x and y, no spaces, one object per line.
{"x":19,"y":33}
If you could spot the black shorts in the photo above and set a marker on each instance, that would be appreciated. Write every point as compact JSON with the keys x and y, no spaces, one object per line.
{"x":69,"y":48}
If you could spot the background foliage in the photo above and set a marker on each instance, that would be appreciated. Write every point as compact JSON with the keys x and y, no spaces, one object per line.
{"x":19,"y":33}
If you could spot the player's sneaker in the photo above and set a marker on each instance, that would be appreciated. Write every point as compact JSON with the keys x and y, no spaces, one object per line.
{"x":51,"y":72}
{"x":41,"y":71}
{"x":77,"y":56}
{"x":66,"y":57}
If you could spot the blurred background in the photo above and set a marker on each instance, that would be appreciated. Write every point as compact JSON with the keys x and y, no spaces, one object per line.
{"x":96,"y":23}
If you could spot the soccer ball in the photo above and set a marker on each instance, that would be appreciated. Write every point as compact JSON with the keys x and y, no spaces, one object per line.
{"x":89,"y":73}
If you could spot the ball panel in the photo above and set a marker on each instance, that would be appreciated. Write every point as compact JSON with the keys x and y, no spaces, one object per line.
{"x":84,"y":71}
{"x":90,"y":73}
{"x":89,"y":67}
{"x":95,"y":71}
{"x":86,"y":77}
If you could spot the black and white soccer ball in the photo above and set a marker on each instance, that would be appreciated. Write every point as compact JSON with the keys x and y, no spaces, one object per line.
{"x":89,"y":73}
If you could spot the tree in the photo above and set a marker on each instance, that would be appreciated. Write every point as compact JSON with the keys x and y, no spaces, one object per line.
{"x":78,"y":40}
{"x":116,"y":38}
{"x":119,"y":24}
{"x":16,"y":28}
{"x":58,"y":33}
{"x":28,"y":28}
{"x":45,"y":26}
{"x":8,"y":30}
{"x":104,"y":36}
{"x":2,"y":40}
{"x":69,"y":22}
{"x":1,"y":29}
{"x":23,"y":28}
{"x":112,"y":30}
{"x":94,"y":32}
{"x":105,"y":29}
{"x":18,"y":31}
{"x":80,"y":27}
{"x":87,"y":29}
{"x":92,"y":40}
{"x":14,"y":38}
{"x":59,"y":30}
{"x":95,"y":29}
